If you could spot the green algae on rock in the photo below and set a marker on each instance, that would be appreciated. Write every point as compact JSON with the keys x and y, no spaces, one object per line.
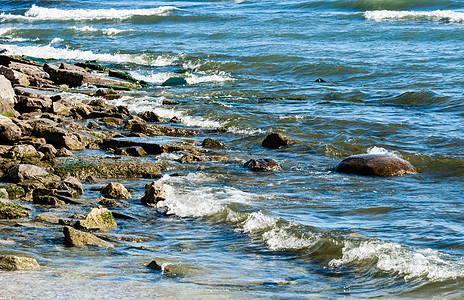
{"x":10,"y":210}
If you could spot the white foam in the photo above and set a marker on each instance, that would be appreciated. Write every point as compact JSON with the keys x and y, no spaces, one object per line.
{"x":195,"y":79}
{"x":43,"y":13}
{"x":245,"y":131}
{"x":392,"y":257}
{"x":380,"y":150}
{"x":56,"y":41}
{"x":158,"y":78}
{"x":105,"y":31}
{"x":257,"y":221}
{"x":437,"y":15}
{"x":5,"y":30}
{"x":49,"y":52}
{"x":281,"y":239}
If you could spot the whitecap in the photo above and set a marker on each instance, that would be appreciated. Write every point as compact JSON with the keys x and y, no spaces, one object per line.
{"x":105,"y":31}
{"x":437,"y":15}
{"x":380,"y":150}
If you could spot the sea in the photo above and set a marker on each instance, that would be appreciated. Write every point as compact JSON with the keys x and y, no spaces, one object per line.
{"x":391,"y":82}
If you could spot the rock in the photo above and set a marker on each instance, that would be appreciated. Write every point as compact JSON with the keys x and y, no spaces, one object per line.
{"x":375,"y":165}
{"x":20,"y":151}
{"x":7,"y":95}
{"x":48,"y":200}
{"x":14,"y":76}
{"x":72,"y":183}
{"x":107,"y":167}
{"x":262,"y":165}
{"x":116,"y":190}
{"x":20,"y":172}
{"x":77,"y":238}
{"x":175,"y":120}
{"x":4,"y":194}
{"x":211,"y":143}
{"x":26,"y":128}
{"x":9,"y":131}
{"x":175,"y":81}
{"x":90,"y":179}
{"x":158,"y":130}
{"x":60,"y":137}
{"x":189,"y":159}
{"x":63,"y":152}
{"x":14,"y":191}
{"x":155,"y":192}
{"x":136,"y":151}
{"x":107,"y":202}
{"x":150,"y":116}
{"x":320,"y":80}
{"x":98,"y":218}
{"x":149,"y":147}
{"x":111,"y":122}
{"x":27,"y":104}
{"x":10,"y":210}
{"x":16,"y":263}
{"x":47,"y":149}
{"x":277,"y":140}
{"x":170,"y":102}
{"x":133,"y":120}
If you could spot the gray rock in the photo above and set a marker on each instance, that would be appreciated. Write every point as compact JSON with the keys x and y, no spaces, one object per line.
{"x":20,"y":151}
{"x":158,"y":130}
{"x":27,"y":104}
{"x":16,"y":263}
{"x":20,"y":172}
{"x":116,"y":190}
{"x":98,"y":218}
{"x":47,"y":149}
{"x":155,"y":192}
{"x":375,"y":165}
{"x":262,"y":165}
{"x":63,"y":152}
{"x":277,"y":140}
{"x":72,"y":183}
{"x":77,"y":238}
{"x":15,"y":76}
{"x":9,"y":131}
{"x":150,"y":116}
{"x":60,"y":137}
{"x":7,"y":95}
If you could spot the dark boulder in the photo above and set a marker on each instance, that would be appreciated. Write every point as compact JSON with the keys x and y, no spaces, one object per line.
{"x":212,"y":143}
{"x":10,"y":210}
{"x":155,"y":192}
{"x":151,"y":116}
{"x":375,"y":165}
{"x":175,"y":81}
{"x":277,"y":140}
{"x":77,"y":238}
{"x":15,"y":263}
{"x":262,"y":165}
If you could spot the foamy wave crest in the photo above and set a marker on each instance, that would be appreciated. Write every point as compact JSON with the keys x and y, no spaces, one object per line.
{"x":43,"y":13}
{"x":5,"y":30}
{"x":435,"y":16}
{"x":392,"y":257}
{"x":282,"y":239}
{"x":380,"y":150}
{"x":49,"y":52}
{"x":158,"y":78}
{"x":105,"y":31}
{"x":257,"y":221}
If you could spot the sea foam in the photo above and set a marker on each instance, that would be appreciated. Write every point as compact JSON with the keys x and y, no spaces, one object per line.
{"x":43,"y":13}
{"x":104,"y":31}
{"x":435,"y":16}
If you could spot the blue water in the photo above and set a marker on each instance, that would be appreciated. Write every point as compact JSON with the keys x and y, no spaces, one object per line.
{"x":394,"y":78}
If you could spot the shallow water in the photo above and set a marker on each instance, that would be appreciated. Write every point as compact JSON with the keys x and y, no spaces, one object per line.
{"x":394,"y":78}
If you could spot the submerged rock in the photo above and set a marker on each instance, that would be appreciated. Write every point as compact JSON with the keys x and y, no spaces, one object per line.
{"x":155,"y":192}
{"x":10,"y":210}
{"x":116,"y":190}
{"x":212,"y":143}
{"x":158,"y":130}
{"x":16,"y":263}
{"x":375,"y":165}
{"x":150,"y":116}
{"x":277,"y":140}
{"x":175,"y":81}
{"x":262,"y":164}
{"x":98,"y":218}
{"x":77,"y":238}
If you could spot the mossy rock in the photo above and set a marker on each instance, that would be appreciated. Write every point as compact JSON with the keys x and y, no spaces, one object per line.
{"x":92,"y":65}
{"x":14,"y":191}
{"x":10,"y":210}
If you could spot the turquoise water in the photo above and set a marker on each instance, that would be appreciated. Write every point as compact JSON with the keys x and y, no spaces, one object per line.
{"x":394,"y":77}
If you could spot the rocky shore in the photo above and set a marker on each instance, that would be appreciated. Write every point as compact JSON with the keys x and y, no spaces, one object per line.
{"x":48,"y":143}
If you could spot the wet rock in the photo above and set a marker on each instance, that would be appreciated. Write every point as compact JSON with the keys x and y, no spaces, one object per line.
{"x":7,"y":95}
{"x":277,"y":140}
{"x":320,"y":80}
{"x":112,"y":122}
{"x":212,"y":143}
{"x":116,"y":190}
{"x":77,"y":238}
{"x":133,"y":120}
{"x":4,"y":194}
{"x":20,"y":172}
{"x":14,"y":191}
{"x":175,"y":81}
{"x":20,"y":151}
{"x":10,"y":210}
{"x":170,"y":102}
{"x":63,"y":152}
{"x":155,"y":192}
{"x":47,"y":149}
{"x":136,"y":151}
{"x":48,"y":200}
{"x":107,"y":167}
{"x":60,"y":137}
{"x":72,"y":183}
{"x":107,"y":202}
{"x":158,"y":130}
{"x":9,"y":131}
{"x":149,"y":147}
{"x":262,"y":165}
{"x":375,"y":165}
{"x":175,"y":120}
{"x":98,"y":218}
{"x":26,"y":128}
{"x":27,"y":104}
{"x":190,"y":158}
{"x":17,"y":263}
{"x":90,"y":179}
{"x":150,"y":116}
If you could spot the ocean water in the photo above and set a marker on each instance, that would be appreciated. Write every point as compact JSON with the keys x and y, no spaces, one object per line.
{"x":394,"y":77}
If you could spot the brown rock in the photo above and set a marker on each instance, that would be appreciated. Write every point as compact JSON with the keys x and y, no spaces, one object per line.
{"x":10,"y":210}
{"x":72,"y":183}
{"x":14,"y":76}
{"x":155,"y":192}
{"x":20,"y":151}
{"x":151,"y":116}
{"x":262,"y":165}
{"x":7,"y":95}
{"x":15,"y":263}
{"x":9,"y":131}
{"x":158,"y":130}
{"x":98,"y":218}
{"x":20,"y":172}
{"x":375,"y":165}
{"x":63,"y":152}
{"x":77,"y":238}
{"x":277,"y":140}
{"x":116,"y":190}
{"x":211,"y":143}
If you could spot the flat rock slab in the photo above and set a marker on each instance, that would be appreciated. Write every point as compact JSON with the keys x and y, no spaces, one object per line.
{"x":375,"y":165}
{"x":107,"y":167}
{"x":77,"y":238}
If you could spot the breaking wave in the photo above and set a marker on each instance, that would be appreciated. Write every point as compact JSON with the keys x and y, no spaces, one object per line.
{"x":434,"y":16}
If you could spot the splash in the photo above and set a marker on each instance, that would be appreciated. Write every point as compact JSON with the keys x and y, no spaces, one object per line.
{"x":434,"y":16}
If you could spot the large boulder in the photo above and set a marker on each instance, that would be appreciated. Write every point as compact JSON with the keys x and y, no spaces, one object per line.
{"x":20,"y":172}
{"x":262,"y":164}
{"x":98,"y":218}
{"x":20,"y":151}
{"x":9,"y":131}
{"x":7,"y":95}
{"x":375,"y":165}
{"x":116,"y":190}
{"x":77,"y":238}
{"x":155,"y":192}
{"x":277,"y":140}
{"x":15,"y":263}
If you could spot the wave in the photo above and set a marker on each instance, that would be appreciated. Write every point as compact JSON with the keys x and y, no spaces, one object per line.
{"x":434,"y":16}
{"x":230,"y":205}
{"x":49,"y":52}
{"x":42,"y":13}
{"x":191,"y":78}
{"x":104,"y":31}
{"x":391,"y":4}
